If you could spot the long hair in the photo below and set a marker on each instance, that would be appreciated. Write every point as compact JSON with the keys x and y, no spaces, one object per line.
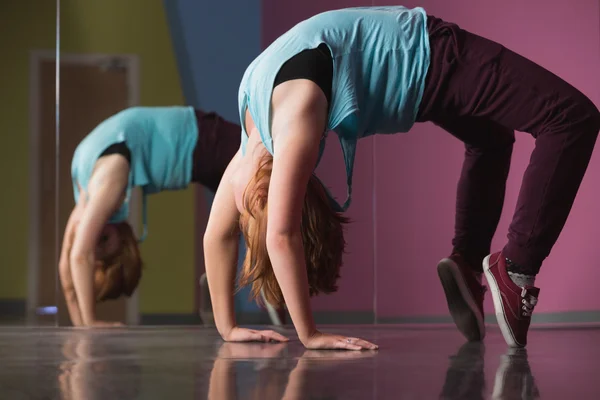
{"x":322,"y":237}
{"x":121,"y":272}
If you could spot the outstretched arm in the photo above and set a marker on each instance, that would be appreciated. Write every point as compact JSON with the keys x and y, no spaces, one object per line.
{"x":221,"y":241}
{"x":64,"y":268}
{"x":299,"y":121}
{"x":105,"y":193}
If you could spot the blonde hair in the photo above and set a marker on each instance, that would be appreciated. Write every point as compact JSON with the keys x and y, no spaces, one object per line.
{"x":122,"y":271}
{"x":322,"y":237}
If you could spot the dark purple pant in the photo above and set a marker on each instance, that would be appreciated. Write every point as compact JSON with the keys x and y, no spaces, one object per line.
{"x":481,"y":92}
{"x":218,"y":141}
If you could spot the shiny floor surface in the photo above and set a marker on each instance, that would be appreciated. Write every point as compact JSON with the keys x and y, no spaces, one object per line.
{"x":193,"y":363}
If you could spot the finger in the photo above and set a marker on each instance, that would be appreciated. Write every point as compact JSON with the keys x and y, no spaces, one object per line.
{"x":275,"y":336}
{"x":353,"y":347}
{"x":364,"y":344}
{"x":337,"y":355}
{"x":345,"y":344}
{"x":257,"y":337}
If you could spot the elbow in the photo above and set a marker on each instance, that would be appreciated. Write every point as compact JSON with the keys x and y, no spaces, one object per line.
{"x":69,"y":293}
{"x":208,"y":240}
{"x":63,"y":266}
{"x":66,"y":281}
{"x":212,"y":238}
{"x":279,"y":242}
{"x":80,"y":258}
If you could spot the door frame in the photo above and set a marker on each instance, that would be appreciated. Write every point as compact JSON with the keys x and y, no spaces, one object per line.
{"x":131,"y":63}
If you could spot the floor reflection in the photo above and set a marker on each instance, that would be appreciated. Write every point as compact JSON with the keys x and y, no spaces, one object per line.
{"x":465,"y":378}
{"x":97,"y":369}
{"x":514,"y":379}
{"x":276,"y":375}
{"x":194,"y":363}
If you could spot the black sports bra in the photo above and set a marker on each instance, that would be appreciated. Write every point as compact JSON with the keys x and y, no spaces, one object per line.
{"x":313,"y":64}
{"x":118,"y":148}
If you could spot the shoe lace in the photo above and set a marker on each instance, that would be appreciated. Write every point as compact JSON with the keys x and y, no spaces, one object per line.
{"x":529,"y":302}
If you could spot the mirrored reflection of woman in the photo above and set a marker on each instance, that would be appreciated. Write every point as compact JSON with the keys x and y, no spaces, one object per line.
{"x":154,"y":148}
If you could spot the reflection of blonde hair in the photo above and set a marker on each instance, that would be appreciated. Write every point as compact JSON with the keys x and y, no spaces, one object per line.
{"x":121,"y":272}
{"x":322,"y":237}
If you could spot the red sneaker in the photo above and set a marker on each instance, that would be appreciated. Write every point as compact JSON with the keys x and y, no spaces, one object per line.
{"x":513,"y":304}
{"x":464,"y":294}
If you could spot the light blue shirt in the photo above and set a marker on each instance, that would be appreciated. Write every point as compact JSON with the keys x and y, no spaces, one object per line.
{"x":380,"y":61}
{"x":161,"y":141}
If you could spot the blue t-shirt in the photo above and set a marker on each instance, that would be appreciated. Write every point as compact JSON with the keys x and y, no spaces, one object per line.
{"x":161,"y":141}
{"x":380,"y":61}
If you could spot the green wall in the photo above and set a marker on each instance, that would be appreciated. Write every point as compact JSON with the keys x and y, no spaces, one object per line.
{"x":21,"y":30}
{"x":107,"y":26}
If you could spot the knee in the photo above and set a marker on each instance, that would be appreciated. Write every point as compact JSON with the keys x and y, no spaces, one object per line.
{"x":595,"y":120}
{"x":589,"y":119}
{"x":493,"y":138}
{"x":508,"y":138}
{"x":589,"y":127}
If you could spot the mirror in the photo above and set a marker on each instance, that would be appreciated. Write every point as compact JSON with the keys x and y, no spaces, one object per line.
{"x":212,"y":57}
{"x":182,"y":53}
{"x":113,"y":60}
{"x":214,"y":46}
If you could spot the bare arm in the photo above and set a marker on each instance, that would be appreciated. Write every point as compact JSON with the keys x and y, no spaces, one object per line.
{"x":106,"y":190}
{"x":298,"y":124}
{"x":221,"y":385}
{"x":64,"y":268}
{"x":221,"y":241}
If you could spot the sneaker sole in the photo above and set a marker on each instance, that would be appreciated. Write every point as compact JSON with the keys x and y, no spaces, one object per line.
{"x":499,"y":306}
{"x":461,"y":304}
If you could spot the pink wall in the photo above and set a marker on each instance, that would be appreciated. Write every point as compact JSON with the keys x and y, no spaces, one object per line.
{"x":416,"y":174}
{"x":408,"y":181}
{"x":356,"y":286}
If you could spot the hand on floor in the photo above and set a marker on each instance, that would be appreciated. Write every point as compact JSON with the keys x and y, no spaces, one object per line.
{"x":322,"y":341}
{"x":234,"y":350}
{"x":238,"y":334}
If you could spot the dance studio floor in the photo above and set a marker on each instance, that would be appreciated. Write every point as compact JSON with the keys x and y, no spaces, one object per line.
{"x":193,"y":363}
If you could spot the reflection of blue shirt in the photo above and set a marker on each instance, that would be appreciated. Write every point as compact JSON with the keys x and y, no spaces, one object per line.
{"x":380,"y":60}
{"x":161,"y":141}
